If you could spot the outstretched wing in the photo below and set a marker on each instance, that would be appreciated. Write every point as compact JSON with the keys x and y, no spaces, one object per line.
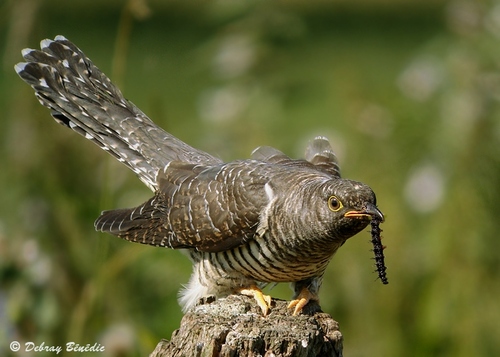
{"x":84,"y":99}
{"x":209,"y":209}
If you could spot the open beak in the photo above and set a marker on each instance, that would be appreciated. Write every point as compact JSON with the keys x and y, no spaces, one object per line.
{"x":370,"y":211}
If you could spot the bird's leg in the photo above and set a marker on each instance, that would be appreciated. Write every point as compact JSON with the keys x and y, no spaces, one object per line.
{"x":264,"y":301}
{"x":302,"y":299}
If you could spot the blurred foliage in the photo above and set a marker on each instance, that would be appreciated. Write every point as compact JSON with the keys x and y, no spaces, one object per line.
{"x":408,"y":94}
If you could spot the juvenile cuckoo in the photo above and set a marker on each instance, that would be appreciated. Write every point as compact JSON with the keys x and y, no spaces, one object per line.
{"x":244,"y":223}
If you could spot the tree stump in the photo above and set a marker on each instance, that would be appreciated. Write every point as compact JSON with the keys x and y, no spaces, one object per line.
{"x":234,"y":326}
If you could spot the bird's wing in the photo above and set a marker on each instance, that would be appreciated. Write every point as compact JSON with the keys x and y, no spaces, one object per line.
{"x":84,"y":99}
{"x":209,"y":209}
{"x":320,"y":153}
{"x":269,"y":154}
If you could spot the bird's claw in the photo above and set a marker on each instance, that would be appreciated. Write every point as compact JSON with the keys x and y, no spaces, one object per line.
{"x":302,"y":299}
{"x":264,"y":301}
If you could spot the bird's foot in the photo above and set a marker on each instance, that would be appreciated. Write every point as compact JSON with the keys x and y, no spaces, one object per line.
{"x":302,"y":299}
{"x":264,"y":301}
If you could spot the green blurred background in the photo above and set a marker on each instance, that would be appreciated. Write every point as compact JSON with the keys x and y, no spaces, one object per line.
{"x":407,"y":91}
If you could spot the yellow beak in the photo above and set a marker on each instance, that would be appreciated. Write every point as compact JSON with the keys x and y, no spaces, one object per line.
{"x":369,"y":211}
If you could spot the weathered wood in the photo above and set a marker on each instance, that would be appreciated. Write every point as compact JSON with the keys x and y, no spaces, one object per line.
{"x":234,"y":326}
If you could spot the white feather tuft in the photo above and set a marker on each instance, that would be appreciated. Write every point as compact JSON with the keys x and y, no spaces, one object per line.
{"x":192,"y":292}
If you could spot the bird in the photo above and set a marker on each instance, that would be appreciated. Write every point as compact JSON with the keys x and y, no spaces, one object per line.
{"x":244,"y":224}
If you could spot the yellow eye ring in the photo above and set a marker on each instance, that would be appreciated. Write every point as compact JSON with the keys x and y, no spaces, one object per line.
{"x":334,"y":204}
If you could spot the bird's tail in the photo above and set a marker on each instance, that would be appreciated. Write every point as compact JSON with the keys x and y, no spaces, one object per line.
{"x":83,"y":99}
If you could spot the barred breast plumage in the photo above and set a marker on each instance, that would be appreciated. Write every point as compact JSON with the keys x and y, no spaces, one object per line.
{"x":243,"y":223}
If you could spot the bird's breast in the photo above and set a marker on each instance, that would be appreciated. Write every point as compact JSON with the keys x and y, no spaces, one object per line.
{"x":266,"y":260}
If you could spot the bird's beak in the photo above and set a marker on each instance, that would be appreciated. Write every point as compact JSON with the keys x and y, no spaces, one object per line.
{"x":370,"y":211}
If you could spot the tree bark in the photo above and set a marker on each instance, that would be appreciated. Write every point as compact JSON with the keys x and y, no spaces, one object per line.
{"x":234,"y":326}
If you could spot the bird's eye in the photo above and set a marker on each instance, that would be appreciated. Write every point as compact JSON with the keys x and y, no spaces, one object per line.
{"x":334,"y":204}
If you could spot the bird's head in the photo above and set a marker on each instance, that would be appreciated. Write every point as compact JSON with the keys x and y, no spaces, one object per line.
{"x":349,"y":206}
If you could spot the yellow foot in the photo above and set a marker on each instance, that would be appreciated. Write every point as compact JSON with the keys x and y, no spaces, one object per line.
{"x":264,"y":301}
{"x":302,"y":299}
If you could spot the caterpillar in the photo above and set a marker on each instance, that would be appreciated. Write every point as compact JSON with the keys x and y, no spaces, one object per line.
{"x":378,"y":250}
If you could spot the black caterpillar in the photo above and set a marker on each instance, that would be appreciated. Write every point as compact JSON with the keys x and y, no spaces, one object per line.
{"x":378,"y":249}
